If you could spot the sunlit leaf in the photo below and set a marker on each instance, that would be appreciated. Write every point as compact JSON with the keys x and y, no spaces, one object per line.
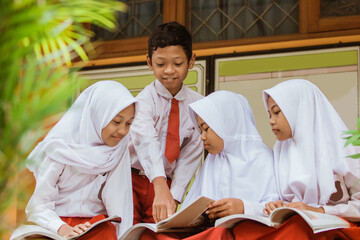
{"x":36,"y":38}
{"x":355,"y":156}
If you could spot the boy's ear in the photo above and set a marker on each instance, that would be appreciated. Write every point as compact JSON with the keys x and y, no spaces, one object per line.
{"x":148,"y":61}
{"x":192,"y":61}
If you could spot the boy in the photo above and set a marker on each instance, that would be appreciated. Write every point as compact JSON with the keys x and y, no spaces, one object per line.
{"x":163,"y":163}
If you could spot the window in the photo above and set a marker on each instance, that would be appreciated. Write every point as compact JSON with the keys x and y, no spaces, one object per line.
{"x":139,"y":20}
{"x":220,"y":23}
{"x":212,"y":20}
{"x":328,"y":15}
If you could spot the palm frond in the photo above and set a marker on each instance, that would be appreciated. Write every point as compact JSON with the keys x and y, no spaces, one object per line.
{"x":38,"y":41}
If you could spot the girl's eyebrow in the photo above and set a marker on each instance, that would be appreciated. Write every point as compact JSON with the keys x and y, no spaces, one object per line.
{"x":274,"y":106}
{"x":201,"y":124}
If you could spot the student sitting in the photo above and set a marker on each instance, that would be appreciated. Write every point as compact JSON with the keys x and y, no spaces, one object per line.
{"x":311,"y":168}
{"x":82,"y":167}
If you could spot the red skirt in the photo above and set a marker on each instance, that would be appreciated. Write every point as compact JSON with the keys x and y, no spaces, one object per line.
{"x":294,"y":228}
{"x":209,"y":234}
{"x":103,"y":231}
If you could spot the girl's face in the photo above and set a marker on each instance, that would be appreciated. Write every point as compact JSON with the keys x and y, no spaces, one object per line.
{"x":170,"y":66}
{"x":212,"y":142}
{"x":118,"y":127}
{"x":278,"y":121}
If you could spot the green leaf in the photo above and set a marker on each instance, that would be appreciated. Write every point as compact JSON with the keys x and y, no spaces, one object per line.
{"x":352,"y":139}
{"x":352,"y":132}
{"x":354,"y":156}
{"x":65,"y":50}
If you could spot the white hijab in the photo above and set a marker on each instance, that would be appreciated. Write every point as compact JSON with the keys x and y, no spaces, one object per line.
{"x":76,"y":139}
{"x":305,"y":164}
{"x":244,"y":169}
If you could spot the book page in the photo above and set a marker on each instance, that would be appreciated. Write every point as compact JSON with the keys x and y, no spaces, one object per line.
{"x":317,"y":221}
{"x":232,"y":220}
{"x":187,"y":216}
{"x":135,"y":231}
{"x":178,"y":222}
{"x":114,"y":218}
{"x":323,"y":222}
{"x":36,"y":231}
{"x":282,"y":214}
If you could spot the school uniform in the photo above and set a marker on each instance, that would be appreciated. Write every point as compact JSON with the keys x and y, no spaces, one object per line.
{"x":311,"y":166}
{"x":232,"y":173}
{"x":147,"y":146}
{"x":77,"y":175}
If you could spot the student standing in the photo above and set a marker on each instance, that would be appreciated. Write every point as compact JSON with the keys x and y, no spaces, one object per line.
{"x":82,"y":167}
{"x":311,"y":167}
{"x":230,"y":173}
{"x":165,"y":148}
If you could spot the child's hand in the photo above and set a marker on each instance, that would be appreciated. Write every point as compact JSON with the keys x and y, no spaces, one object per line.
{"x":68,"y":231}
{"x":303,"y":206}
{"x":270,"y":206}
{"x":225,"y":207}
{"x":164,"y":204}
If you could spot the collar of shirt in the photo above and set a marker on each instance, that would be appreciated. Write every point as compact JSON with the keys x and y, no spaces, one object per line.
{"x":162,"y":91}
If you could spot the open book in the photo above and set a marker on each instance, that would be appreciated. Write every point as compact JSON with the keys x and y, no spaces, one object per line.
{"x":183,"y":220}
{"x":36,"y":231}
{"x":319,"y":222}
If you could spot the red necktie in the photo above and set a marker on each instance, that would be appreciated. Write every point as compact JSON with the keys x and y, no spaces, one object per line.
{"x":172,"y":149}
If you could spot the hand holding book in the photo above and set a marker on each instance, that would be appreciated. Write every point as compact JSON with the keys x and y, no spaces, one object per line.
{"x":271,"y":206}
{"x":67,"y":231}
{"x":225,"y":207}
{"x":317,"y":221}
{"x":35,"y":231}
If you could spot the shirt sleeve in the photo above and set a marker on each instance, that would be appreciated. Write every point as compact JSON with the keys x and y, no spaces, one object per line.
{"x":41,"y":206}
{"x":145,"y":140}
{"x":186,"y":165}
{"x":349,"y":209}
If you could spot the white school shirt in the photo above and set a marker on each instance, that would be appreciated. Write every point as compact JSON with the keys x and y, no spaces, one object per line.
{"x":148,"y":137}
{"x":63,"y":191}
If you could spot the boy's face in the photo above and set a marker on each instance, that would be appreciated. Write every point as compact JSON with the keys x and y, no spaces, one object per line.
{"x":118,"y":127}
{"x":170,"y":66}
{"x":278,"y":121}
{"x":212,"y":142}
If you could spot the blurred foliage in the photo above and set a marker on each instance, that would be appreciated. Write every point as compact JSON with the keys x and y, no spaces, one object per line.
{"x":353,"y":138}
{"x":38,"y":41}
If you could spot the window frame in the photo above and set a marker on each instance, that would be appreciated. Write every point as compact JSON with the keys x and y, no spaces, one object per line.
{"x":310,"y":27}
{"x":319,"y":24}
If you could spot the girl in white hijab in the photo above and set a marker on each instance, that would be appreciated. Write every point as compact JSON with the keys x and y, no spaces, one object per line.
{"x":230,"y":173}
{"x":82,"y":167}
{"x":311,"y":168}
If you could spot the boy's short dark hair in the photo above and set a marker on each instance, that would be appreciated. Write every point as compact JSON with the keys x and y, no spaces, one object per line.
{"x":170,"y":34}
